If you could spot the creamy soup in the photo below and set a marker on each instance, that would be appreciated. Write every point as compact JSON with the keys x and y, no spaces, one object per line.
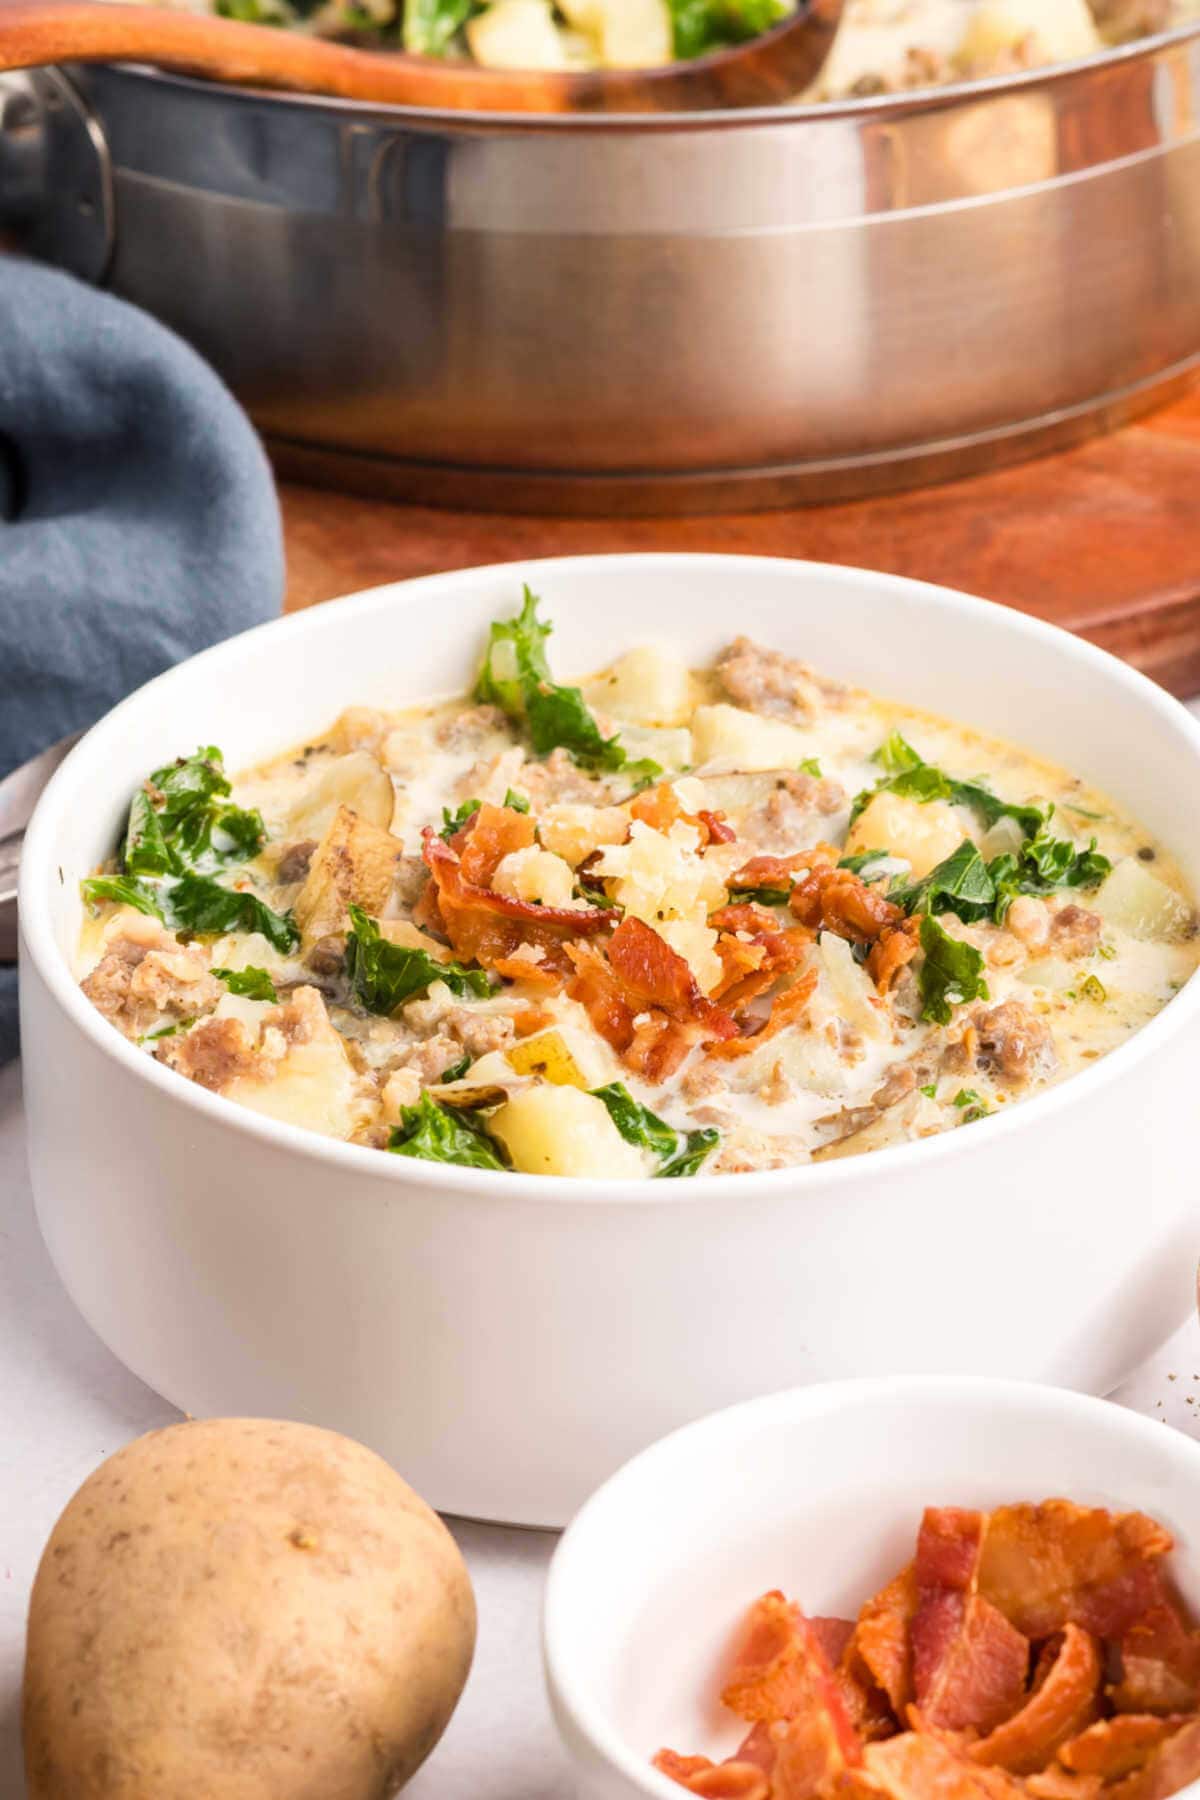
{"x":726,"y":919}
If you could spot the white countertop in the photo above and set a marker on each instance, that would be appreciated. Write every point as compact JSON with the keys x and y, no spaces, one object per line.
{"x":66,"y":1404}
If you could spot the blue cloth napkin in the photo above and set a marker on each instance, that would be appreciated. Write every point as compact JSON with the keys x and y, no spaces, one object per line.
{"x":138,"y":518}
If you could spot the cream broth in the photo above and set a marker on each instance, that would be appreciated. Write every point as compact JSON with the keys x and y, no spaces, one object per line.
{"x":731,"y":919}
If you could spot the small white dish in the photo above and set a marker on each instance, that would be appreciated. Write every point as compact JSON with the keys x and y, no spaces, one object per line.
{"x":818,"y":1491}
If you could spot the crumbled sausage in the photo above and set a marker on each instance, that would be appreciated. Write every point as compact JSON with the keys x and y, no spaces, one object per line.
{"x":1029,"y":920}
{"x":145,"y":974}
{"x":469,"y":727}
{"x":1013,"y":1043}
{"x":327,"y":956}
{"x":408,"y":883}
{"x":786,"y":817}
{"x":777,"y":1089}
{"x":559,"y":779}
{"x":480,"y":1032}
{"x":294,"y":860}
{"x":428,"y":1058}
{"x":766,"y":681}
{"x":1075,"y":932}
{"x":703,"y":1082}
{"x":214,"y":1054}
{"x":743,"y":1151}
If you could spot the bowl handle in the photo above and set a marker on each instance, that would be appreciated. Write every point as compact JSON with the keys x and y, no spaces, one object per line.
{"x":56,"y":199}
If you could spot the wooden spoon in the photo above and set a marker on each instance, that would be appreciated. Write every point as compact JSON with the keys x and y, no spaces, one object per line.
{"x":763,"y":71}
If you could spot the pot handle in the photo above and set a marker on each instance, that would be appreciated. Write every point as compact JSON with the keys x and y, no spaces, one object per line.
{"x":56,"y":197}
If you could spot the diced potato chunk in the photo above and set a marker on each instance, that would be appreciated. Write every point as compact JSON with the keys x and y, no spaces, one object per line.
{"x":551,"y":1130}
{"x":355,"y":780}
{"x":730,"y":740}
{"x":627,"y":34}
{"x":923,"y":833}
{"x":697,"y":944}
{"x":355,"y":861}
{"x":646,"y":686}
{"x":658,"y":875}
{"x":853,"y":990}
{"x":1134,"y":900}
{"x":1061,"y":30}
{"x":517,"y":34}
{"x":538,"y":876}
{"x":314,"y":1085}
{"x":564,"y":1056}
{"x":573,"y":831}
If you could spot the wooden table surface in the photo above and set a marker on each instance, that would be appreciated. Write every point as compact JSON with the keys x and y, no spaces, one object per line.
{"x":1104,"y":539}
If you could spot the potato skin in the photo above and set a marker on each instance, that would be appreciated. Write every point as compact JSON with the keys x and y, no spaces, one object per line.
{"x":246,"y":1610}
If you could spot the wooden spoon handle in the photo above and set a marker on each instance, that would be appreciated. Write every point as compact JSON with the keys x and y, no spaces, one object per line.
{"x":36,"y":32}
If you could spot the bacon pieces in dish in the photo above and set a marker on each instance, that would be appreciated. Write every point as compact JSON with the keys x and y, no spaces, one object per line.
{"x":666,"y":922}
{"x":1030,"y":1653}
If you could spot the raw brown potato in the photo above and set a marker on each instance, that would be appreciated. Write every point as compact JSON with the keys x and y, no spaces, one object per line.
{"x":355,"y":861}
{"x":237,"y":1609}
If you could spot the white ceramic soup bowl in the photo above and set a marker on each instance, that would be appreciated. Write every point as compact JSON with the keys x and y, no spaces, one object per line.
{"x":508,"y":1341}
{"x":818,"y":1491}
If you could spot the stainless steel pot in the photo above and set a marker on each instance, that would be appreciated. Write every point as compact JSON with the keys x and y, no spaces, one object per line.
{"x":651,"y":314}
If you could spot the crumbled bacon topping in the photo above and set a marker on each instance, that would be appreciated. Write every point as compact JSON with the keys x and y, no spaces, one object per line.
{"x":486,"y":927}
{"x":1002,"y":1664}
{"x":660,"y":807}
{"x":840,"y":901}
{"x":644,"y":1000}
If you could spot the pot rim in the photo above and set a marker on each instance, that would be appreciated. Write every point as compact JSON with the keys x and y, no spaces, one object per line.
{"x":886,"y":107}
{"x":40,"y":950}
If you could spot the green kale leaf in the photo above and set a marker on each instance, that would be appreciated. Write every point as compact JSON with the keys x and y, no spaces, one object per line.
{"x":122,"y":890}
{"x":700,"y":26}
{"x":697,"y":1146}
{"x":951,"y":974}
{"x":383,"y":975}
{"x":444,"y":1134}
{"x":198,"y":904}
{"x":680,"y":1153}
{"x":251,"y":983}
{"x":1045,"y":865}
{"x":454,"y":821}
{"x":516,"y":677}
{"x":636,"y":1123}
{"x":430,"y":26}
{"x":961,"y":884}
{"x":908,"y":774}
{"x":181,"y":820}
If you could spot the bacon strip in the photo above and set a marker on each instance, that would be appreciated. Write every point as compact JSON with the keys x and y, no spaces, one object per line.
{"x":1160,"y":1663}
{"x":925,"y":1766}
{"x":644,"y":1000}
{"x":786,"y":1008}
{"x":837,"y":900}
{"x":891,"y":954}
{"x":1065,"y":1699}
{"x":752,"y":967}
{"x":1049,"y":1566}
{"x":660,"y":808}
{"x":484,"y":926}
{"x":652,"y":974}
{"x":1172,"y":1766}
{"x":732,"y":1780}
{"x":1115,"y":1747}
{"x":969,"y":1664}
{"x":781,"y":1672}
{"x":881,"y":1641}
